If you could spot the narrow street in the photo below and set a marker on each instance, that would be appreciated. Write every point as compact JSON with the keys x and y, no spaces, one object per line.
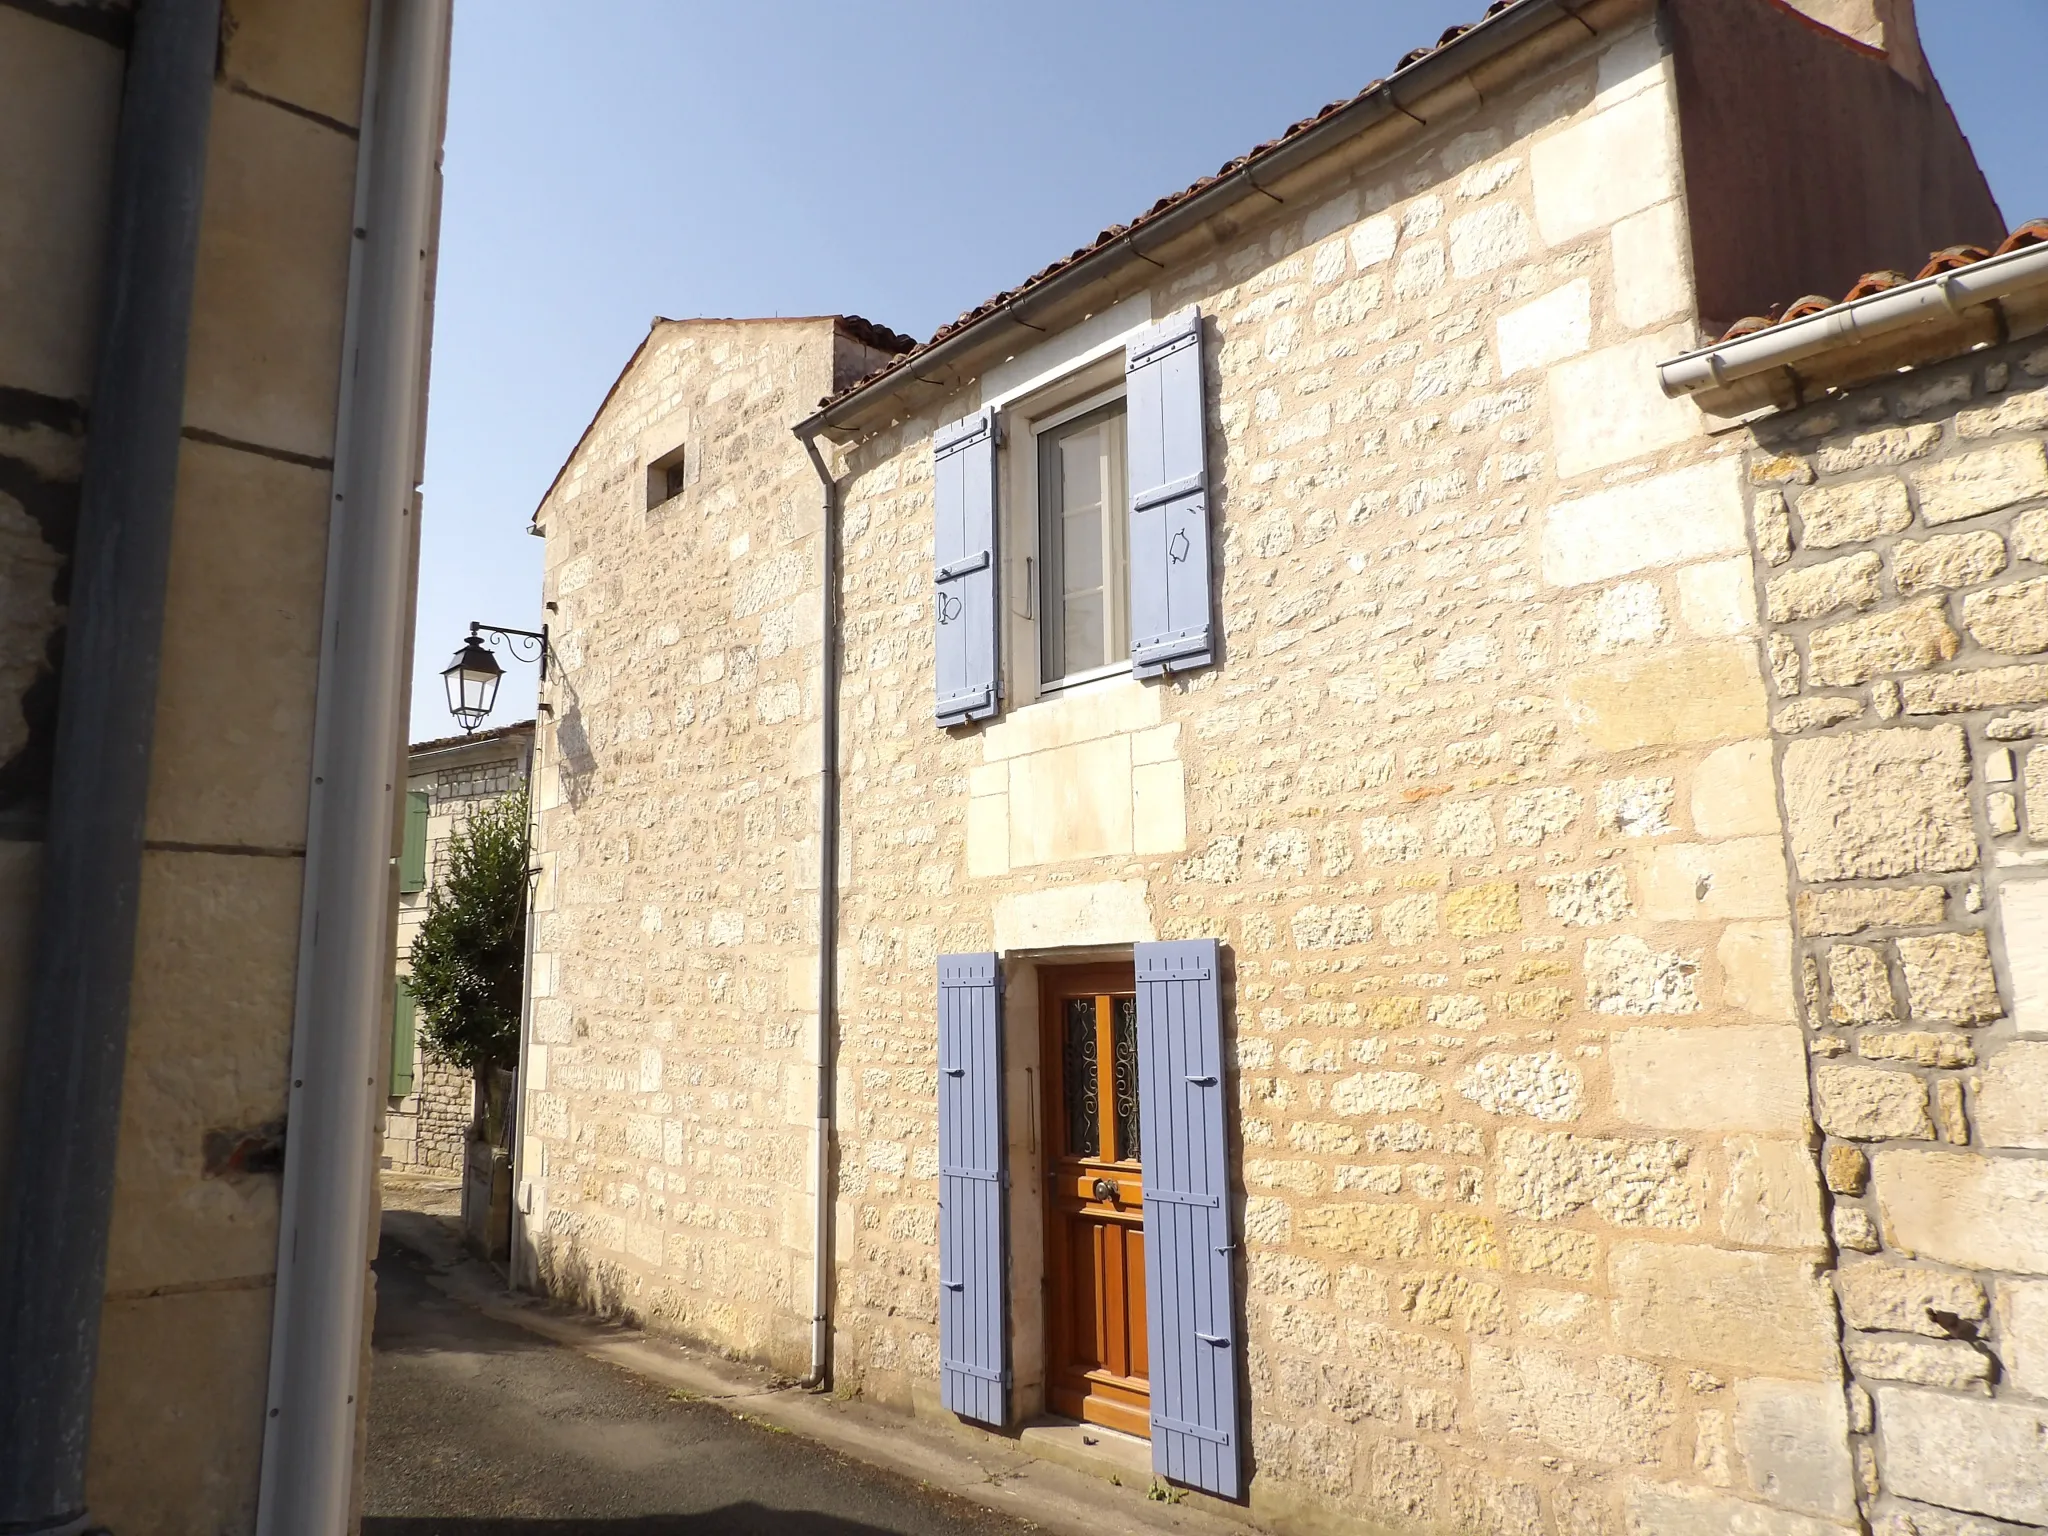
{"x":481,"y":1428}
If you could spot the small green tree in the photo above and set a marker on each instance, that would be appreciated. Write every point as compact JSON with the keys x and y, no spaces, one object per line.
{"x":468,"y":959}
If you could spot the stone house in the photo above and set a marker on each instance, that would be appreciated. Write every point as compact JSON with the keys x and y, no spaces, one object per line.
{"x":1212,"y":851}
{"x":217,"y":250}
{"x":429,"y":1102}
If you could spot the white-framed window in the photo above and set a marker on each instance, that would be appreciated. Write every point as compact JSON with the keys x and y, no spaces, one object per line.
{"x":1082,"y":567}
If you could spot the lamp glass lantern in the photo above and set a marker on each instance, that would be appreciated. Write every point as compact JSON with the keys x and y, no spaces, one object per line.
{"x":472,"y":682}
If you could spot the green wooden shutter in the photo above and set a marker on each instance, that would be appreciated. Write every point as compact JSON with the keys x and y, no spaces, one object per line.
{"x":412,"y":862}
{"x":402,"y":1011}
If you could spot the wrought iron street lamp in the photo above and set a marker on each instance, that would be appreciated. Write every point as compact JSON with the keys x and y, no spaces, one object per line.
{"x":472,"y":677}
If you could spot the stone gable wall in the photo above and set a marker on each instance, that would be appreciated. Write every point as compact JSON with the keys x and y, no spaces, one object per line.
{"x":1902,"y":536}
{"x":670,"y":1097}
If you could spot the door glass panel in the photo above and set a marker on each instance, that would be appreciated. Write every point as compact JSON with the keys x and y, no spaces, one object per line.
{"x":1077,"y":1039}
{"x":1124,"y":1040}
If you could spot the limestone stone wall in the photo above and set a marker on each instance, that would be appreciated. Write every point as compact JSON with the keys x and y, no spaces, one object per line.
{"x":1902,"y":536}
{"x":1479,"y":798}
{"x":426,"y":1131}
{"x":185,"y":1333}
{"x":671,"y":1084}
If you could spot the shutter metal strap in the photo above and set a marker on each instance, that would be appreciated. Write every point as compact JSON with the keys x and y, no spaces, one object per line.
{"x":1173,"y":490}
{"x":1199,"y":1431}
{"x":986,"y":1175}
{"x":980,"y":1373}
{"x":1184,"y":1197}
{"x":966,"y":565}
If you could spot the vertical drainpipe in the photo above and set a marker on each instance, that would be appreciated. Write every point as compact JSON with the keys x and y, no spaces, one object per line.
{"x":316,"y":1349}
{"x":828,"y":921}
{"x":59,"y":1198}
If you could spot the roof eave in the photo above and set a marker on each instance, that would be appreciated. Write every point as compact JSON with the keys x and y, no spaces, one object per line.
{"x":946,"y":366}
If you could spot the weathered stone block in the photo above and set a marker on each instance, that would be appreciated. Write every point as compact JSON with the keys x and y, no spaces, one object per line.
{"x":1907,"y":638}
{"x":1864,"y":1104}
{"x":1482,"y":909}
{"x":1880,"y":803}
{"x":1074,"y":916}
{"x":1773,"y":1197}
{"x":1951,"y":693}
{"x":1773,"y":520}
{"x":1854,"y":1231}
{"x":1691,"y":882}
{"x":1848,"y":910}
{"x":1371,"y":1231}
{"x":1793,"y":1438}
{"x":1920,"y":1047}
{"x":2011,"y":620}
{"x":1847,"y":1169}
{"x":1981,"y":482}
{"x":1964,"y":1209}
{"x":1887,"y":445}
{"x":1949,"y":977}
{"x":1848,"y":514}
{"x":1814,"y":714}
{"x":1626,"y":976}
{"x":1948,"y":560}
{"x":1549,"y":1176}
{"x":2030,"y":536}
{"x":1859,"y":985}
{"x":1811,"y":591}
{"x":1901,"y":1298}
{"x":1541,"y":1084}
{"x":1780,"y":469}
{"x":1610,"y":1408}
{"x":1948,"y":1363}
{"x":1665,"y":520}
{"x":1704,"y":693}
{"x":1675,"y":1509}
{"x":1990,"y":1458}
{"x":1071,"y":802}
{"x":2012,"y":1097}
{"x":1724,"y":1078}
{"x":2026,"y":412}
{"x":1766,"y":1313}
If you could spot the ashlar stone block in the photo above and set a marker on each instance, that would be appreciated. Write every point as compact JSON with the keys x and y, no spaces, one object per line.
{"x":1793,"y":1438}
{"x":2023,"y":918}
{"x":1546,"y":330}
{"x":1605,"y":167}
{"x":1747,"y":1077}
{"x":1609,"y":1408}
{"x":1773,"y":1195}
{"x":1690,"y":882}
{"x":2023,"y":1335}
{"x":1606,"y":408}
{"x":1962,"y":1453}
{"x":1701,"y":694}
{"x":1947,"y":1363}
{"x":1961,"y":1208}
{"x":1766,"y":1313}
{"x":1851,"y":909}
{"x":1676,"y":1509}
{"x":1667,"y":519}
{"x":2012,"y":1097}
{"x":1874,"y":804}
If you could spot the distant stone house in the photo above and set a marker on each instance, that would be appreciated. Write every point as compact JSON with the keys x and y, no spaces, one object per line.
{"x":432,"y":1102}
{"x":1222,"y":864}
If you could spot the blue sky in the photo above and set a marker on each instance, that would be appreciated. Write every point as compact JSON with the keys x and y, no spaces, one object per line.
{"x":902,"y":159}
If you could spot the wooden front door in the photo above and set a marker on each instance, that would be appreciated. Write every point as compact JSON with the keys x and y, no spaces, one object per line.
{"x":1095,"y":1221}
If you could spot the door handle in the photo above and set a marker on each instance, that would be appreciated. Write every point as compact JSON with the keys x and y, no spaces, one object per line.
{"x":1105,"y":1189}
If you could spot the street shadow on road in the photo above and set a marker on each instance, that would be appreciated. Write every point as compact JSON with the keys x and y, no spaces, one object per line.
{"x":732,"y":1520}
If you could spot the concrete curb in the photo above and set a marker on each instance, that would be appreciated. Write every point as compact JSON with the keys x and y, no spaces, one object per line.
{"x":997,"y":1473}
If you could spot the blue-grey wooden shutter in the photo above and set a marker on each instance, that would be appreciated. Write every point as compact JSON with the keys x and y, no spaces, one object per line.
{"x":974,"y":1380}
{"x":1172,"y":628}
{"x":1191,"y":1300}
{"x":964,"y":557}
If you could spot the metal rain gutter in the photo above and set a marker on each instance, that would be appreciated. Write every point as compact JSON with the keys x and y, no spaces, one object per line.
{"x":828,"y":920}
{"x":316,"y":1348}
{"x":1486,"y":41}
{"x":1945,"y":295}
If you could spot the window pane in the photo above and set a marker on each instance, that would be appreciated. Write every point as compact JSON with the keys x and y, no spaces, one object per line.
{"x":1124,"y":1033}
{"x":1081,"y":543}
{"x":1077,"y":1043}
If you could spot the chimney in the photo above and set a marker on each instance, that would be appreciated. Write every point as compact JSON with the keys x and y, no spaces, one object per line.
{"x":1886,"y":25}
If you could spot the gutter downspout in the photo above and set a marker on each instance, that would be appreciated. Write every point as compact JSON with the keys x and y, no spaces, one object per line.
{"x":828,"y":921}
{"x":1896,"y":309}
{"x":345,"y":955}
{"x":60,"y":1193}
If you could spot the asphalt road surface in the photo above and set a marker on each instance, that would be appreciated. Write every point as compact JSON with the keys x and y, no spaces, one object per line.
{"x":479,"y":1428}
